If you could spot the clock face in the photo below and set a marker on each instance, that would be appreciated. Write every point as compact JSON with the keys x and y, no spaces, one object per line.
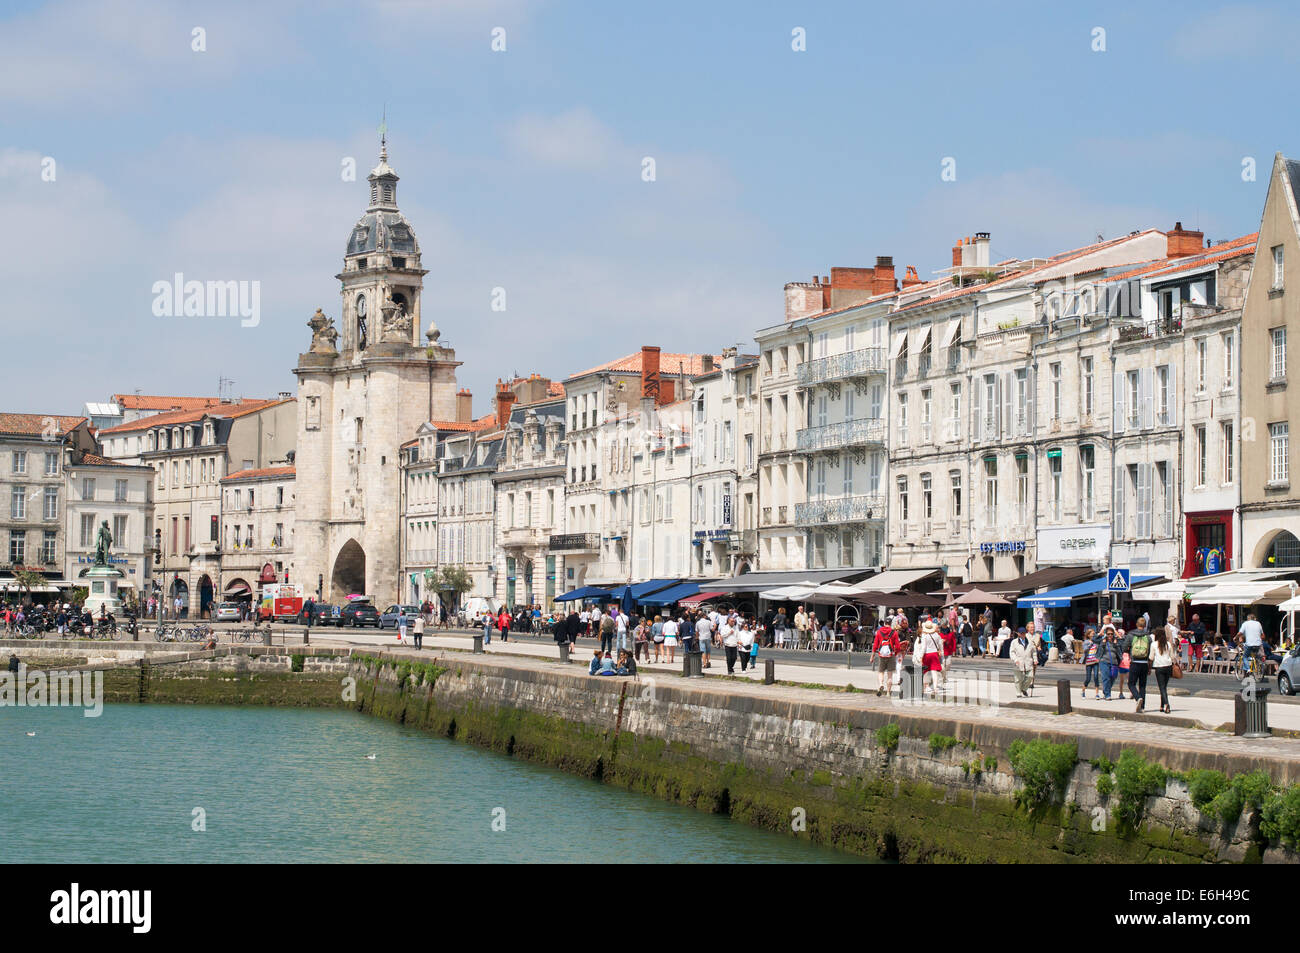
{"x":361,"y":305}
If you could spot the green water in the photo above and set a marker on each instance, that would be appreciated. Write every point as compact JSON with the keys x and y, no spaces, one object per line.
{"x":291,"y":785}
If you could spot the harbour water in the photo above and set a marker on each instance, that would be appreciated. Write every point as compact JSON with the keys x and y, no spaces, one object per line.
{"x":298,"y":785}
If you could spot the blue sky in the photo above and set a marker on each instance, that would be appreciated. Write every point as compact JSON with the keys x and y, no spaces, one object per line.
{"x":522,"y":169}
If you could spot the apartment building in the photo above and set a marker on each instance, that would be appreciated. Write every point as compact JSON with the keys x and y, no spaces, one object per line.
{"x":34,"y":451}
{"x":1270,"y":323}
{"x":257,"y":510}
{"x":529,"y":485}
{"x":191,"y":451}
{"x":98,"y":491}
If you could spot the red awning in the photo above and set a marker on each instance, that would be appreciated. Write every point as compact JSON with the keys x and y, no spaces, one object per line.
{"x":699,"y":597}
{"x":235,"y":588}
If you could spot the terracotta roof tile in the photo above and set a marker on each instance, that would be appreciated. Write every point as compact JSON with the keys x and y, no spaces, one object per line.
{"x":690,"y":364}
{"x":232,"y":410}
{"x":162,"y":404}
{"x":260,"y":472}
{"x":1236,"y":248}
{"x":36,"y":425}
{"x":465,"y":426}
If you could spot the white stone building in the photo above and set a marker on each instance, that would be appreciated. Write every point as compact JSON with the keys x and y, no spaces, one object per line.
{"x":530,"y":504}
{"x":100,"y":490}
{"x":257,"y":510}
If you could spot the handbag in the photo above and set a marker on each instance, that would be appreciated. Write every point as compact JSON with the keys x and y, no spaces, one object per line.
{"x":1177,"y":670}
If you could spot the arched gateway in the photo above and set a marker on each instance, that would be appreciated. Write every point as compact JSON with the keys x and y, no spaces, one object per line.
{"x":349,"y":576}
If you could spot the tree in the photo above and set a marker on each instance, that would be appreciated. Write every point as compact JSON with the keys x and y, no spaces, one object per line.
{"x":28,"y":578}
{"x":455,"y":581}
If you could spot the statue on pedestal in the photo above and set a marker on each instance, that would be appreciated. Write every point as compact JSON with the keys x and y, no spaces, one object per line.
{"x":103,"y":544}
{"x":397,"y":321}
{"x":323,"y":334}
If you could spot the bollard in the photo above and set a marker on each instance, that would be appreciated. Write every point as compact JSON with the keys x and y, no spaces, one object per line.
{"x":306,"y":636}
{"x":693,"y":665}
{"x":564,"y":653}
{"x":1250,"y":715}
{"x":266,"y":636}
{"x":478,"y":645}
{"x":769,"y":671}
{"x":1063,"y":706}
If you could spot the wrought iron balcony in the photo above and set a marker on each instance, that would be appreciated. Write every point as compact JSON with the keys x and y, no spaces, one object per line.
{"x":869,"y":508}
{"x":868,"y":431}
{"x":575,"y":543}
{"x":863,"y":362}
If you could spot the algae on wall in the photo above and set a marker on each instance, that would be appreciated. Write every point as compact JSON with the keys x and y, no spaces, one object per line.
{"x":882,"y":815}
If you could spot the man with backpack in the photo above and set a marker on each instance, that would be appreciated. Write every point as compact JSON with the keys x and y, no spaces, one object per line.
{"x":1137,"y":646}
{"x":607,"y":629}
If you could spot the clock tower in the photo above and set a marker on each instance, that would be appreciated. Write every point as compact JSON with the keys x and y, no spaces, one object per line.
{"x":363,"y":390}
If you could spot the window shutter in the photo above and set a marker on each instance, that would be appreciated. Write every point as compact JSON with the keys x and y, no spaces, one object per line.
{"x":1169,"y":498}
{"x":1173,"y":397}
{"x":977,"y":425}
{"x":1008,"y":404}
{"x":1117,"y":395}
{"x":1031,"y":387}
{"x":1146,"y":390}
{"x":1118,"y":505}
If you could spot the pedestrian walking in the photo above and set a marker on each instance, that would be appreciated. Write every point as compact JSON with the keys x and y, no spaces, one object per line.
{"x":1137,"y":648}
{"x":1023,"y":661}
{"x":704,"y":638}
{"x":419,"y":631}
{"x":1091,"y":663}
{"x":1164,"y":656}
{"x":884,"y":653}
{"x":401,"y":626}
{"x":730,"y":640}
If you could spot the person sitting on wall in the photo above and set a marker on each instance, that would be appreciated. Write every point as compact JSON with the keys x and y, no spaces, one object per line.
{"x":607,"y":666}
{"x":596,"y":659}
{"x":626,"y":663}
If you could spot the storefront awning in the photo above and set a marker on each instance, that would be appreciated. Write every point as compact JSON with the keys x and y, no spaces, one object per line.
{"x":1051,"y":577}
{"x":1268,"y":593}
{"x":896,"y":346}
{"x":666,"y":597}
{"x":951,"y":333}
{"x":788,"y":593}
{"x":584,"y":592}
{"x":893,"y":580}
{"x":236,"y":589}
{"x":701,"y":597}
{"x":1061,"y":598}
{"x":756,"y":582}
{"x":1160,"y":592}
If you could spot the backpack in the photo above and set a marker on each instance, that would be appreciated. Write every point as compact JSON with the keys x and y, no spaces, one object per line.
{"x":606,"y":625}
{"x":1141,"y":646}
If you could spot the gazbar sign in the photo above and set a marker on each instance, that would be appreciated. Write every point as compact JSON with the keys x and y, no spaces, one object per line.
{"x":1064,"y":545}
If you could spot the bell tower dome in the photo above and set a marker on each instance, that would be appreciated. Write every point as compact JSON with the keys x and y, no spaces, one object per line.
{"x":382,"y":262}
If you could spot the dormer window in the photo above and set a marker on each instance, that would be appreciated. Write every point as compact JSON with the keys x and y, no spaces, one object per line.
{"x":399,"y":262}
{"x":388,"y":193}
{"x":361,"y":264}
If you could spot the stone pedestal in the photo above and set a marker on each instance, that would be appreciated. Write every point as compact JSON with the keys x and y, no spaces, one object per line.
{"x":101,"y":588}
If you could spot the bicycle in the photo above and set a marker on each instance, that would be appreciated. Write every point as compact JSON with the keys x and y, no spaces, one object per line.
{"x":199,"y":633}
{"x":26,"y":631}
{"x":166,"y":632}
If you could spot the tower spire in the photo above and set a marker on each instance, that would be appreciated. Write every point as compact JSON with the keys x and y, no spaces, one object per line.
{"x":383,"y":136}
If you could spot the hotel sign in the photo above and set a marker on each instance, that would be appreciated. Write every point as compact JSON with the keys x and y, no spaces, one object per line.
{"x":1074,"y":544}
{"x":1003,"y":546}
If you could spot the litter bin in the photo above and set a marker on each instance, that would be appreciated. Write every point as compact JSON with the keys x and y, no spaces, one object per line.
{"x":1250,"y":715}
{"x":266,"y":636}
{"x":693,"y":665}
{"x":478,"y":645}
{"x":564,"y":653}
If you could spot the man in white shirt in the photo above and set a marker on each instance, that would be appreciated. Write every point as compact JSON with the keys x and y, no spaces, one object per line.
{"x":620,"y":628}
{"x":1252,"y":634}
{"x":595,"y":621}
{"x":704,"y":637}
{"x":727,"y":633}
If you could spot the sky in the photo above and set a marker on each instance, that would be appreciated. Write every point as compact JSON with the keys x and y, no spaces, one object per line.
{"x":140,"y":139}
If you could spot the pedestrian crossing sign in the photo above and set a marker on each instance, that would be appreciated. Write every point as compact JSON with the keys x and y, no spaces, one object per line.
{"x":1117,"y":580}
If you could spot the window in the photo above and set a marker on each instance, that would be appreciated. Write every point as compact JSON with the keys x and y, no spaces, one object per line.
{"x":1163,"y":406}
{"x":87,"y":488}
{"x":17,"y":547}
{"x":176,"y":473}
{"x":990,"y":491}
{"x":1088,"y":390}
{"x":1022,"y":490}
{"x":1278,"y":365}
{"x":902,"y":418}
{"x":927,"y":502}
{"x":18,"y":503}
{"x":846,"y":464}
{"x":902,"y":499}
{"x":1229,"y":360}
{"x":1118,"y":518}
{"x":1202,"y":361}
{"x":119,"y":532}
{"x":1022,"y":401}
{"x":1088,"y":482}
{"x":819,"y":484}
{"x":955,"y":476}
{"x":1054,"y":461}
{"x":1056,"y":391}
{"x":1134,"y":398}
{"x":20,"y":461}
{"x":954,"y":419}
{"x":1226,"y":431}
{"x":1279,"y":445}
{"x":925,"y":414}
{"x":1277,"y":267}
{"x":87,"y":529}
{"x":49,"y":547}
{"x":51,"y":464}
{"x":1201,"y":455}
{"x":213,"y":530}
{"x":51,"y":511}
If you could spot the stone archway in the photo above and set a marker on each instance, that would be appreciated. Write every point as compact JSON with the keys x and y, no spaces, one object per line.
{"x":1279,"y":550}
{"x":349,"y":575}
{"x":206,"y":596}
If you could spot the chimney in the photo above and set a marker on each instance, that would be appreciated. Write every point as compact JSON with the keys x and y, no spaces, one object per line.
{"x":650,"y":373}
{"x":884,"y":279}
{"x":911,"y":277}
{"x":1183,"y":242}
{"x":980,"y":252}
{"x":464,"y":406}
{"x":667,"y":391}
{"x":956,"y":254}
{"x":505,"y":400}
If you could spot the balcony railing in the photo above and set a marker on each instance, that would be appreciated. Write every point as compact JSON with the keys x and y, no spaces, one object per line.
{"x":849,"y":433}
{"x":846,"y":509}
{"x":861,"y":363}
{"x":575,"y":543}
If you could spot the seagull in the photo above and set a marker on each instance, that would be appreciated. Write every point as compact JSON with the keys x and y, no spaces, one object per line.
{"x":369,"y":757}
{"x":31,"y":734}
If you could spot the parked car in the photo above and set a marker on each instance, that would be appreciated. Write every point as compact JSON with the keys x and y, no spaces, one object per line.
{"x":322,"y":613}
{"x":388,"y":618}
{"x":356,"y":614}
{"x":1288,"y":672}
{"x":228,"y":612}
